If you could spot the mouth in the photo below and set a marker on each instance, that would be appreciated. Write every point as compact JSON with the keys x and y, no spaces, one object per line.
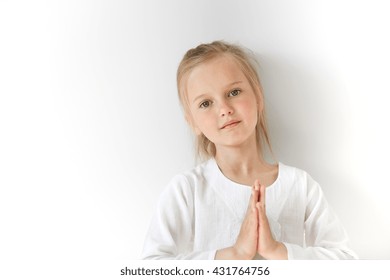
{"x":230,"y":124}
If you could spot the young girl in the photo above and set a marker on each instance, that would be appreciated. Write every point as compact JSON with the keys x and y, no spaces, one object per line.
{"x":236,"y":205}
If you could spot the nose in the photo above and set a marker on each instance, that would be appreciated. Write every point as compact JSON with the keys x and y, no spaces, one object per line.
{"x":225,"y":109}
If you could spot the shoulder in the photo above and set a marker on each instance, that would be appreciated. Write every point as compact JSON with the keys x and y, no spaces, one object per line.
{"x":194,"y":175}
{"x":291,"y":173}
{"x":190,"y":179}
{"x":296,"y":178}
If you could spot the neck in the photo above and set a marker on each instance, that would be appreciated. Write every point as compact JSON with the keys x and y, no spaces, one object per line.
{"x":244,"y":164}
{"x":241,"y":160}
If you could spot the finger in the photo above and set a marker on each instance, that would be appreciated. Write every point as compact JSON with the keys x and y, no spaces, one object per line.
{"x":255,"y":194}
{"x":252,"y":199}
{"x":257,"y":190}
{"x":257,"y":185}
{"x":261,"y":216}
{"x":258,"y":207}
{"x":260,"y":212}
{"x":262,"y":197}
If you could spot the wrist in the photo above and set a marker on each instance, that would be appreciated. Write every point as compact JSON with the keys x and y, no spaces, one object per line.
{"x":241,"y":254}
{"x":231,"y":253}
{"x":278,"y":252}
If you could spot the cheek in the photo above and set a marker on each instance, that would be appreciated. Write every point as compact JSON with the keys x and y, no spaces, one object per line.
{"x":207,"y":124}
{"x":204,"y":121}
{"x":200,"y":121}
{"x":249,"y":108}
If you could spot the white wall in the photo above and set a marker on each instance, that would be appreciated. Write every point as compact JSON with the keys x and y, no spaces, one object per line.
{"x":91,"y":130}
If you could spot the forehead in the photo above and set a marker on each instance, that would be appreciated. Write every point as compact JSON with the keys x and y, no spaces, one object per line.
{"x":214,"y":75}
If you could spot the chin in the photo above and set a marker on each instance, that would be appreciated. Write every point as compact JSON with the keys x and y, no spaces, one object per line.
{"x":234,"y":144}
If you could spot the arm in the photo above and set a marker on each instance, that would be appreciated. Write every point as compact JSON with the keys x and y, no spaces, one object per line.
{"x":170,"y":235}
{"x":325,"y":237}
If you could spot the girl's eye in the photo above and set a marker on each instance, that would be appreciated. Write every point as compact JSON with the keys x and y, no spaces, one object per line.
{"x":205,"y":104}
{"x":234,"y":92}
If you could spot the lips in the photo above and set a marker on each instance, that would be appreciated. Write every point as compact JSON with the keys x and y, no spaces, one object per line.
{"x":230,"y":124}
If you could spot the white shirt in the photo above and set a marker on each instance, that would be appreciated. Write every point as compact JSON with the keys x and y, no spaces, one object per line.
{"x":201,"y":211}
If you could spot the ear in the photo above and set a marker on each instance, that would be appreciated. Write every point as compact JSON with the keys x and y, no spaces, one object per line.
{"x":192,"y":124}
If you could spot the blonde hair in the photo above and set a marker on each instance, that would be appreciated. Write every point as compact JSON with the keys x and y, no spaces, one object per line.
{"x":204,"y":53}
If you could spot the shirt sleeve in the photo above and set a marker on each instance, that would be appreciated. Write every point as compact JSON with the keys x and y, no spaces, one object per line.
{"x":170,"y":235}
{"x":325,"y":237}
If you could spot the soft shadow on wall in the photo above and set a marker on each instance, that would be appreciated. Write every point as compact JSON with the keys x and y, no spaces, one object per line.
{"x":310,"y":118}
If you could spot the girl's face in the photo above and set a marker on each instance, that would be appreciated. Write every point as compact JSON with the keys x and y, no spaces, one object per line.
{"x":222,"y":103}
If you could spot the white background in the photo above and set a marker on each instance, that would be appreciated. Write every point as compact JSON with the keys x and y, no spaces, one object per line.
{"x":91,"y":130}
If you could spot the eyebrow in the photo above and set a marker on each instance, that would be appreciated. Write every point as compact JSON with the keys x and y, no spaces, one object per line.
{"x":205,"y":94}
